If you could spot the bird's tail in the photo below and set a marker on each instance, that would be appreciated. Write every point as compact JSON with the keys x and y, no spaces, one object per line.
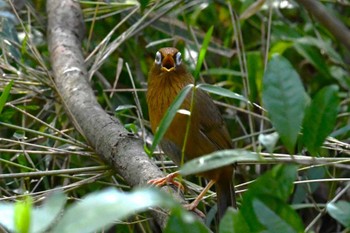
{"x":225,"y":195}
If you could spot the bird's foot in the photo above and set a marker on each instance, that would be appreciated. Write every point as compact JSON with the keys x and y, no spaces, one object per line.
{"x":169,"y":179}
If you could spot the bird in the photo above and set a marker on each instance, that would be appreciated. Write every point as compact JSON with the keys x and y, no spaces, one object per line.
{"x":207,"y":130}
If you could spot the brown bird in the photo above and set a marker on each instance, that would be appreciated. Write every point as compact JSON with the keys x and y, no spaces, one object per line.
{"x":207,"y":132}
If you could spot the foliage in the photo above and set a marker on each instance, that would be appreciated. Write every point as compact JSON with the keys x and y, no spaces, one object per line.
{"x":271,"y":67}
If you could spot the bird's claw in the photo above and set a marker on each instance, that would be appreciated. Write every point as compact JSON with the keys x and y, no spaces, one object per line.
{"x":169,"y":179}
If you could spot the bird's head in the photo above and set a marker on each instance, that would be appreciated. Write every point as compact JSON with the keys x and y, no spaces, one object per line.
{"x":168,"y":69}
{"x":168,"y":62}
{"x":168,"y":59}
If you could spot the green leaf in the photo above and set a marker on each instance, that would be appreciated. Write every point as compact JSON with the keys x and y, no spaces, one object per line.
{"x":340,"y":211}
{"x":255,"y":75}
{"x":321,"y":45}
{"x":182,"y":221}
{"x":284,"y":98}
{"x":302,"y":191}
{"x":203,"y":51}
{"x":215,"y":160}
{"x":233,"y":222}
{"x":221,"y":91}
{"x":44,"y":216}
{"x":5,"y":94}
{"x":40,"y":217}
{"x":7,"y":216}
{"x":279,"y":217}
{"x":102,"y":209}
{"x":280,"y":46}
{"x":320,"y":118}
{"x":23,"y":214}
{"x":276,"y":184}
{"x":169,"y":116}
{"x":314,"y":56}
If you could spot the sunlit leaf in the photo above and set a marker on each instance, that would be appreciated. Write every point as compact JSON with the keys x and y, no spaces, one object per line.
{"x":215,"y":160}
{"x":340,"y":211}
{"x":23,"y":215}
{"x":40,"y":217}
{"x":221,"y":92}
{"x":124,"y":107}
{"x":255,"y":75}
{"x":102,"y":209}
{"x":203,"y":51}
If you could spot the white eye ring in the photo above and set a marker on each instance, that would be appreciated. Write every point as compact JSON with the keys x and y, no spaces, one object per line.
{"x":158,"y":58}
{"x":178,"y":59}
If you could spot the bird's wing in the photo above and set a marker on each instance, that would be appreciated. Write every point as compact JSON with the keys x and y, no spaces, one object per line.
{"x":212,"y":125}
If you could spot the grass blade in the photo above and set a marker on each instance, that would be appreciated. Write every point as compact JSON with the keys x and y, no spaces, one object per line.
{"x":169,"y":116}
{"x":5,"y":94}
{"x":203,"y":51}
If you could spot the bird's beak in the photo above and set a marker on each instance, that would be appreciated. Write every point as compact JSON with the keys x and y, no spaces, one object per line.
{"x":168,"y":63}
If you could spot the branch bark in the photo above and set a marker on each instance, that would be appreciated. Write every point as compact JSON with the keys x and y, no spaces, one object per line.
{"x":122,"y":151}
{"x":335,"y":26}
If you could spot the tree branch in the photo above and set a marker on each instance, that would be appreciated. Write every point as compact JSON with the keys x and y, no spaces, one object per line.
{"x":122,"y":151}
{"x":335,"y":26}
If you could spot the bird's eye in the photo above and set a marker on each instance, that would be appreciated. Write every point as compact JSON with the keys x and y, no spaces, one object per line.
{"x":158,"y":58}
{"x":178,"y":59}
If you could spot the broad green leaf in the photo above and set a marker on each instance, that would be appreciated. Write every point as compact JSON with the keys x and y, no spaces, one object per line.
{"x":320,"y":118}
{"x":182,"y":221}
{"x":215,"y":160}
{"x":5,"y":94}
{"x":302,"y":191}
{"x":45,"y":215}
{"x":23,"y":215}
{"x":276,"y":184}
{"x":169,"y":116}
{"x":233,"y":222}
{"x":284,"y":98}
{"x":102,"y":209}
{"x":7,"y":216}
{"x":221,"y":91}
{"x":203,"y":51}
{"x":340,"y":211}
{"x":277,"y":218}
